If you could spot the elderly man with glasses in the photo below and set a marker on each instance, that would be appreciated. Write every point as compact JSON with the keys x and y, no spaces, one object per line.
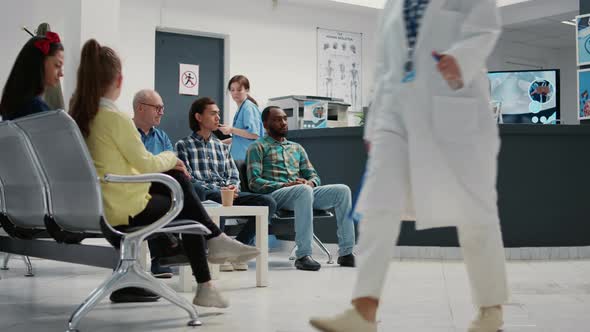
{"x":148,"y":110}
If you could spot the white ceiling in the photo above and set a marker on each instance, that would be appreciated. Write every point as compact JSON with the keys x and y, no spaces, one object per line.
{"x":546,"y":32}
{"x":530,"y":22}
{"x":367,"y":3}
{"x":380,"y":3}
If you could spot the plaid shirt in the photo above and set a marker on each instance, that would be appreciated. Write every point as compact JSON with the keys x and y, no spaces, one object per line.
{"x":208,"y":161}
{"x":271,"y":164}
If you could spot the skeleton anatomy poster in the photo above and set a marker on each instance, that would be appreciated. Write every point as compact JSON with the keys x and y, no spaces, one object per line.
{"x":339,"y":66}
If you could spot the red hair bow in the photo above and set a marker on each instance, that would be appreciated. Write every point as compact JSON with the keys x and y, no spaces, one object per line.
{"x":44,"y":44}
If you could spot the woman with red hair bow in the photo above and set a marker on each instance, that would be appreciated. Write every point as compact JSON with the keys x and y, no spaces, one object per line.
{"x":38,"y":65}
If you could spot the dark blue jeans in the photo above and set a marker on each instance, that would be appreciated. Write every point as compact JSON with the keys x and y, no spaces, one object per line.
{"x":247,"y":233}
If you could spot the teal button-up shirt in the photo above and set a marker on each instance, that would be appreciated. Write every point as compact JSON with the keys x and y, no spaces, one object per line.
{"x":271,"y":164}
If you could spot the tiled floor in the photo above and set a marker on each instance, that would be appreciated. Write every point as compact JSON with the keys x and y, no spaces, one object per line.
{"x":428,"y":295}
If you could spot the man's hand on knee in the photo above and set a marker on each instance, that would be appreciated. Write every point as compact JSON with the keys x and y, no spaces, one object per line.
{"x":304,"y":181}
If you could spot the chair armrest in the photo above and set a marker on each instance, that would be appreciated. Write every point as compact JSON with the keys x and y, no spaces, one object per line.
{"x":185,"y":226}
{"x":2,"y":198}
{"x":177,"y":200}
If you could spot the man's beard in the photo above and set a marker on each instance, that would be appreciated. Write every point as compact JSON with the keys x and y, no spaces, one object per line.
{"x":277,"y":133}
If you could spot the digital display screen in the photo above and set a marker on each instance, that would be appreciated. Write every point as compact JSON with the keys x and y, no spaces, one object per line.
{"x":527,"y":97}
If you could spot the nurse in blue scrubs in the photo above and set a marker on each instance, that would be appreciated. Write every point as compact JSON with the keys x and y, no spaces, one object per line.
{"x":247,"y":125}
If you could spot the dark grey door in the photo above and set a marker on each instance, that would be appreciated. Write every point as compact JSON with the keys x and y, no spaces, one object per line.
{"x":172,"y":49}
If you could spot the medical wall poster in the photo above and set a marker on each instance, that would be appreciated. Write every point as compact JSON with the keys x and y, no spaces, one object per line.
{"x":315,"y":114}
{"x":583,"y":98}
{"x":583,"y":39}
{"x":188,"y":79}
{"x":339,"y":73}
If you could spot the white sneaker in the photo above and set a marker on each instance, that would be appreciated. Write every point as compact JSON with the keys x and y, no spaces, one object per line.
{"x":209,"y":297}
{"x":226,"y":267}
{"x":222,"y":248}
{"x":240,"y":266}
{"x":488,"y":320}
{"x":348,"y":321}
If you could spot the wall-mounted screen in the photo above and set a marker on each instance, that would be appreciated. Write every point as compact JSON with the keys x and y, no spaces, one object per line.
{"x":526,"y":97}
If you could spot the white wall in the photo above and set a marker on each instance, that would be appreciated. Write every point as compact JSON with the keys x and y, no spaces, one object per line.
{"x":566,"y":62}
{"x":86,"y":19}
{"x":274,"y":47}
{"x":29,"y":13}
{"x":11,"y":35}
{"x":74,"y":21}
{"x":138,"y":22}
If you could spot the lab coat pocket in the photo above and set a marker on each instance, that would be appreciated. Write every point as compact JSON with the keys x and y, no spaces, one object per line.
{"x":455,"y":119}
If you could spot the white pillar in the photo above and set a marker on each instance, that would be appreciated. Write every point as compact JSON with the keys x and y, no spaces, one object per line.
{"x":72,"y":44}
{"x":12,"y":18}
{"x":100,"y":20}
{"x":86,"y":19}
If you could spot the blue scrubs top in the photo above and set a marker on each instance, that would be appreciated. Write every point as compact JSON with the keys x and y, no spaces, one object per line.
{"x":248,"y":118}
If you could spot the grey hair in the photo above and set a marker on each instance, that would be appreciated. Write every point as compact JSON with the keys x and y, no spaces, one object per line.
{"x":141,"y":96}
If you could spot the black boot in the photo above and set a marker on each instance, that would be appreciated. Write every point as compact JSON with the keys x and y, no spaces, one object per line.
{"x":133,"y":294}
{"x":307,"y":263}
{"x":347,"y":260}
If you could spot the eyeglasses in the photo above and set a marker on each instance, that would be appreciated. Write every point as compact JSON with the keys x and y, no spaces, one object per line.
{"x":159,"y":108}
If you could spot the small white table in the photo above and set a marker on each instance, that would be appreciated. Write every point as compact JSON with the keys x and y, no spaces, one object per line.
{"x":185,"y":282}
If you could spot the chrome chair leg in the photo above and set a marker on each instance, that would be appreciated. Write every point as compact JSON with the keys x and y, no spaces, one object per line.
{"x":29,"y":266}
{"x":130,"y":273}
{"x":5,"y":262}
{"x":292,"y":254}
{"x":111,"y":284}
{"x":147,"y":281}
{"x":319,"y":243}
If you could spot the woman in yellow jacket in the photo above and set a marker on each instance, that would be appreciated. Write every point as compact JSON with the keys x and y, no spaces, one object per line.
{"x":116,"y":148}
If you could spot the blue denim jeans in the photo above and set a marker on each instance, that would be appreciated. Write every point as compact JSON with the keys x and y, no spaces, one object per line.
{"x":302,"y":199}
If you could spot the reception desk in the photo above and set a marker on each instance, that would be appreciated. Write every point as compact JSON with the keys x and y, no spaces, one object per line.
{"x":543,"y":188}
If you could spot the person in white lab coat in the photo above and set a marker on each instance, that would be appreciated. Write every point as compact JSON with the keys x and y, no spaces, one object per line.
{"x":433,"y":148}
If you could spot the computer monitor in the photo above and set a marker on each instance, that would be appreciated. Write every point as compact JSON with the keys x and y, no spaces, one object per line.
{"x":525,"y":96}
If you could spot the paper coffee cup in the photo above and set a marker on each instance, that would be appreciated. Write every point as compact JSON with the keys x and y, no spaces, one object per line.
{"x":227,"y":197}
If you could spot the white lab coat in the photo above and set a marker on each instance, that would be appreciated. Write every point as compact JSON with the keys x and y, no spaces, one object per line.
{"x":451,"y":135}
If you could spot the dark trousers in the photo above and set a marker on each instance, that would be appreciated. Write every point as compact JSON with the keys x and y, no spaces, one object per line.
{"x":248,"y":232}
{"x":194,"y":246}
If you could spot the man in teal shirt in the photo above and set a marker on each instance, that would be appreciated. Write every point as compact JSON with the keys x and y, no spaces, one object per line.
{"x":281,"y":168}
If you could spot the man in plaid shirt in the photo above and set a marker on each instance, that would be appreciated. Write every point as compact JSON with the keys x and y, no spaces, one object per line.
{"x":282,"y":168}
{"x":212,"y":167}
